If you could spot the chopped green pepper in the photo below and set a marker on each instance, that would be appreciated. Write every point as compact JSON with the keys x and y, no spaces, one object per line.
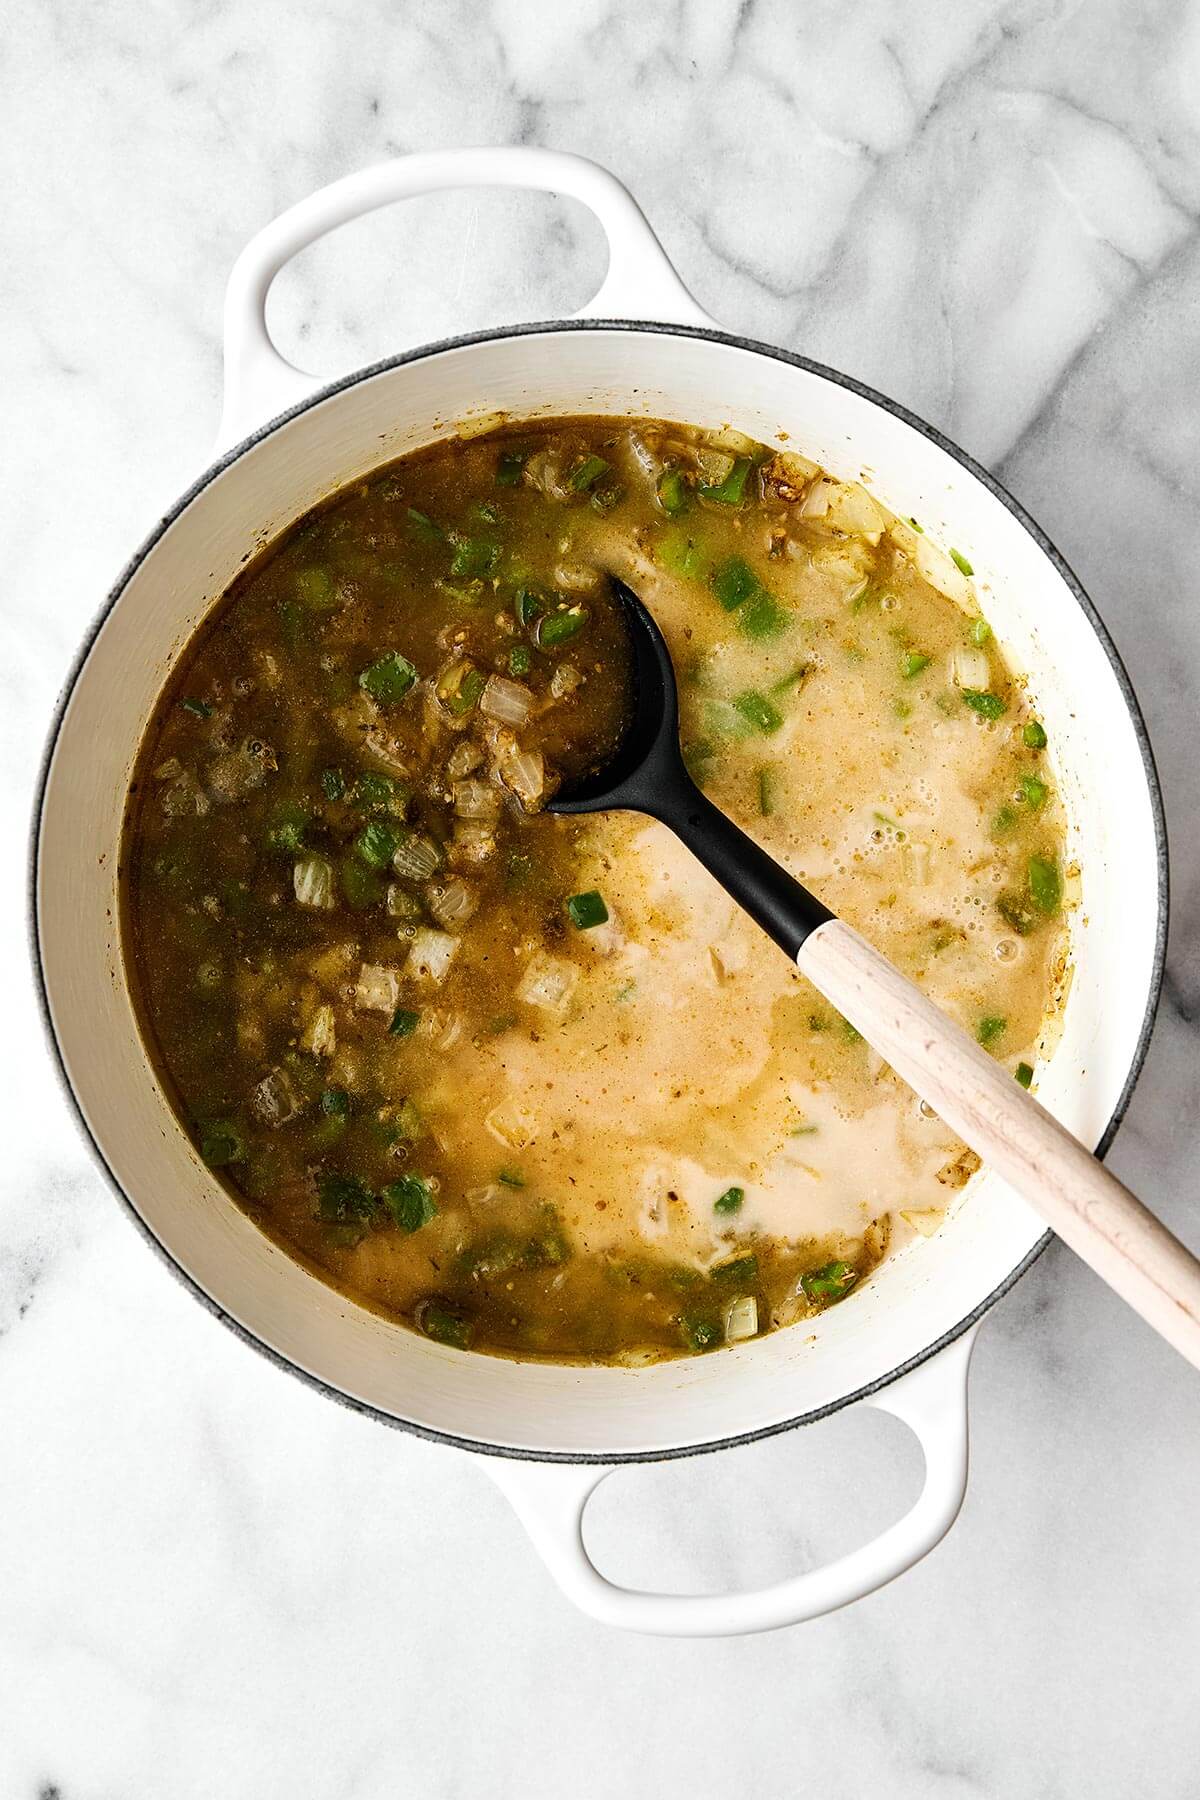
{"x":761,"y":617}
{"x":734,"y":581}
{"x":758,"y":712}
{"x":587,"y":910}
{"x":444,"y":1325}
{"x":344,"y":1197}
{"x":287,"y":827}
{"x":510,"y":468}
{"x":361,"y":886}
{"x":388,"y":679}
{"x":410,"y":1201}
{"x":380,"y":793}
{"x":700,"y":1333}
{"x":832,"y":1282}
{"x":1045,"y":884}
{"x":678,"y":551}
{"x":222,"y":1143}
{"x":674,"y":495}
{"x":376,"y":844}
{"x":474,"y":558}
{"x":739,"y":1271}
{"x":988,"y":706}
{"x":528,"y":606}
{"x":731,"y":491}
{"x":587,"y":473}
{"x":559,"y":627}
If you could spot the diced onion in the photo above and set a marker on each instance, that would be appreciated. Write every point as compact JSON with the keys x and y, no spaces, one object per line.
{"x":506,"y":700}
{"x":969,"y":668}
{"x":916,"y":863}
{"x":548,"y":984}
{"x":851,"y":509}
{"x":715,"y":464}
{"x":485,"y":1196}
{"x":605,"y":939}
{"x":817,"y":499}
{"x":312,"y":878}
{"x":924,"y":1219}
{"x":474,"y":842}
{"x":401,"y":904}
{"x":938,"y":569}
{"x":451,"y":902}
{"x":183,"y":797}
{"x":798,"y":469}
{"x":524,"y":771}
{"x":440,"y":1030}
{"x":646,"y":459}
{"x":416,"y":858}
{"x":546,"y":470}
{"x":741,"y":1319}
{"x":475,"y":800}
{"x":274,"y":1100}
{"x":577,"y":578}
{"x":431,"y":954}
{"x":319,"y":1037}
{"x":378,"y":989}
{"x":479,"y":425}
{"x":737,"y":441}
{"x":464,"y":759}
{"x":510,"y":1125}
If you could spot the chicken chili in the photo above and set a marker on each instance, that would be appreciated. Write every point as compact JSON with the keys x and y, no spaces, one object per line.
{"x":535,"y":1085}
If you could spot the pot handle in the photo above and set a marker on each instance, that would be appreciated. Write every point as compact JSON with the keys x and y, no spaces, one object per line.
{"x":640,"y":282}
{"x":550,"y":1498}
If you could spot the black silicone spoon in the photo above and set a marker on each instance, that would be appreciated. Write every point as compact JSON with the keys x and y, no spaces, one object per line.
{"x":1089,"y":1208}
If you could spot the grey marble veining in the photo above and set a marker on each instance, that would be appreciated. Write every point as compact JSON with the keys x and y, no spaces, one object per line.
{"x":214,"y":1581}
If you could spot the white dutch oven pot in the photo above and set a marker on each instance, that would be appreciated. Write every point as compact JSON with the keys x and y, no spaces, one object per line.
{"x":553,"y":1433}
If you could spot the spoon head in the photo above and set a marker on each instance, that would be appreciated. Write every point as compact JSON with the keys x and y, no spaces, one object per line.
{"x":646,"y":765}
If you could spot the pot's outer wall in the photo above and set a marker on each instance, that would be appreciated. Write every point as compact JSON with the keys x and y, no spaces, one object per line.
{"x":1101,"y":757}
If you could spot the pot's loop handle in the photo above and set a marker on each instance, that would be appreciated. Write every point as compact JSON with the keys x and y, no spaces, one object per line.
{"x":550,"y":1500}
{"x":640,"y":282}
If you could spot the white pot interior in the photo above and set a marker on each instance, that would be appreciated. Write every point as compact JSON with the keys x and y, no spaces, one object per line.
{"x":916,"y":1297}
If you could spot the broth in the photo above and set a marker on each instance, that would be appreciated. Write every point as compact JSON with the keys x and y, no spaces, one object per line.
{"x":535,"y":1085}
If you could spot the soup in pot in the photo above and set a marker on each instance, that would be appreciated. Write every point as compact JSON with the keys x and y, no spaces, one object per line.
{"x":535,"y":1085}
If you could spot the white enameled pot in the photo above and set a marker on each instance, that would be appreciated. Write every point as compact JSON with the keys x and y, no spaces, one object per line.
{"x":550,"y":1433}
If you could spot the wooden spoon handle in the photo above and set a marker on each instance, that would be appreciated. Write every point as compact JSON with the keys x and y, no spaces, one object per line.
{"x":1089,"y":1208}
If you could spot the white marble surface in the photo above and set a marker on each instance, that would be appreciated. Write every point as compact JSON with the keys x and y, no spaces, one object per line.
{"x":213,"y":1582}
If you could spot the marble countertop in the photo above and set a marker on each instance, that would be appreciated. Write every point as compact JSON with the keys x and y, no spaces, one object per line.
{"x":213,"y":1581}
